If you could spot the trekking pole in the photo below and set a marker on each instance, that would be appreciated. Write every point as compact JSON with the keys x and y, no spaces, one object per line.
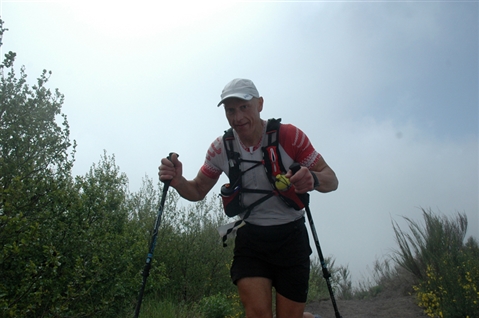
{"x":149,"y":258}
{"x":326,"y":274}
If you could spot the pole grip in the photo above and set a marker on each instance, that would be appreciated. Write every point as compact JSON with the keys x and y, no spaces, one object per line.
{"x":304,"y":197}
{"x":295,"y":167}
{"x":167,"y":182}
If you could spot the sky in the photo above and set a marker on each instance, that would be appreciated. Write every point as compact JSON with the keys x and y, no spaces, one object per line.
{"x":387,"y":91}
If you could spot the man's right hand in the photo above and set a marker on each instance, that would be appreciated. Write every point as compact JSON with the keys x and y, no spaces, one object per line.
{"x":171,"y":169}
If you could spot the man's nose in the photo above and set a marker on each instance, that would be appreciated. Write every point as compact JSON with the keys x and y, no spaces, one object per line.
{"x":238,"y":116}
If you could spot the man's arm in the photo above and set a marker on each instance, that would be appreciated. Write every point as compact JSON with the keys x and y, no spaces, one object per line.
{"x":196,"y":189}
{"x":327,"y":178}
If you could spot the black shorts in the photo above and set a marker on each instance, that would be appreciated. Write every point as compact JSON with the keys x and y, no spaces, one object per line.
{"x":280,"y":253}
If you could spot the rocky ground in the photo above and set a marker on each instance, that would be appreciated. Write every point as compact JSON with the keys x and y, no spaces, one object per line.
{"x":385,"y":305}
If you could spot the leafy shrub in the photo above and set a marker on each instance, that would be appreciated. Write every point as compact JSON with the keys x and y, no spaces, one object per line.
{"x":340,"y":280}
{"x":67,"y":248}
{"x":386,"y":278}
{"x":236,"y":305}
{"x":452,"y":289}
{"x":216,"y":306}
{"x":446,"y":269}
{"x":196,"y":264}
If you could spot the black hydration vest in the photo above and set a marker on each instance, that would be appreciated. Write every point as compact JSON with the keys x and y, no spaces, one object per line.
{"x":231,"y":193}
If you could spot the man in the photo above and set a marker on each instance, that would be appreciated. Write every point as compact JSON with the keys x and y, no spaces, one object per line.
{"x":272,"y":248}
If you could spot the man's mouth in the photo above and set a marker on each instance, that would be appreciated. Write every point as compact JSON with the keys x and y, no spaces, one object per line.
{"x":240,"y":125}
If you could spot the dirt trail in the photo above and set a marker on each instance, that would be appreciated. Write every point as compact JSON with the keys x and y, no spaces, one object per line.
{"x":392,"y":306}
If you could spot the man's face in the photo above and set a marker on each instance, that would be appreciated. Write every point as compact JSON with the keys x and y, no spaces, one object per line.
{"x":243,"y":116}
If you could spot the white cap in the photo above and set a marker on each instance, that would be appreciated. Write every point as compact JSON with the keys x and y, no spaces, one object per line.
{"x":239,"y":88}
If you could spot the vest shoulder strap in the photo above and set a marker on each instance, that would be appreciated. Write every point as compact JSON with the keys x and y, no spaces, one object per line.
{"x":272,"y":130}
{"x":272,"y":133}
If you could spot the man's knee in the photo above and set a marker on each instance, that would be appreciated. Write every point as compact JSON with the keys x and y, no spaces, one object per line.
{"x":255,"y":294}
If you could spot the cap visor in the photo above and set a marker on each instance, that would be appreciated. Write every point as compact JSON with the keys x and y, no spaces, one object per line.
{"x":239,"y":96}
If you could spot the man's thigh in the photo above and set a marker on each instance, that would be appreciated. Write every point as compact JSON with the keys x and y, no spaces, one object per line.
{"x":256,"y":295}
{"x":287,"y":308}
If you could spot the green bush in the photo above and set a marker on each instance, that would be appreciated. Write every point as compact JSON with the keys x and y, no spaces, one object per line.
{"x":216,"y":306}
{"x":189,"y":247}
{"x":340,"y":281}
{"x":452,"y":289}
{"x":446,"y":267}
{"x":386,"y":277}
{"x":67,"y":246}
{"x":163,"y":309}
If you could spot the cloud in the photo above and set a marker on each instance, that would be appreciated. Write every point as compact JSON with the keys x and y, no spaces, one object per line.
{"x":387,"y":172}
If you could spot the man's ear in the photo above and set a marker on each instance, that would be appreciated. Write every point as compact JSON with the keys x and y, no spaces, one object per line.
{"x":260,"y":104}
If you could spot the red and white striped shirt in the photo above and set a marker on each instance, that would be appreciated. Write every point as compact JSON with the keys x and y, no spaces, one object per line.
{"x":294,"y":146}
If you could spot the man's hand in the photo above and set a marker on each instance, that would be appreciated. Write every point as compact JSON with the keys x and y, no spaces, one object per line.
{"x":171,"y":169}
{"x":302,"y":180}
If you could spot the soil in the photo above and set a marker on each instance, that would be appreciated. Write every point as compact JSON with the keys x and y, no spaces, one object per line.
{"x":385,"y":305}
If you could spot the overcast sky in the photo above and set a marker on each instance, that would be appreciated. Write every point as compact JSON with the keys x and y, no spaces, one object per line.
{"x":386,"y":91}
